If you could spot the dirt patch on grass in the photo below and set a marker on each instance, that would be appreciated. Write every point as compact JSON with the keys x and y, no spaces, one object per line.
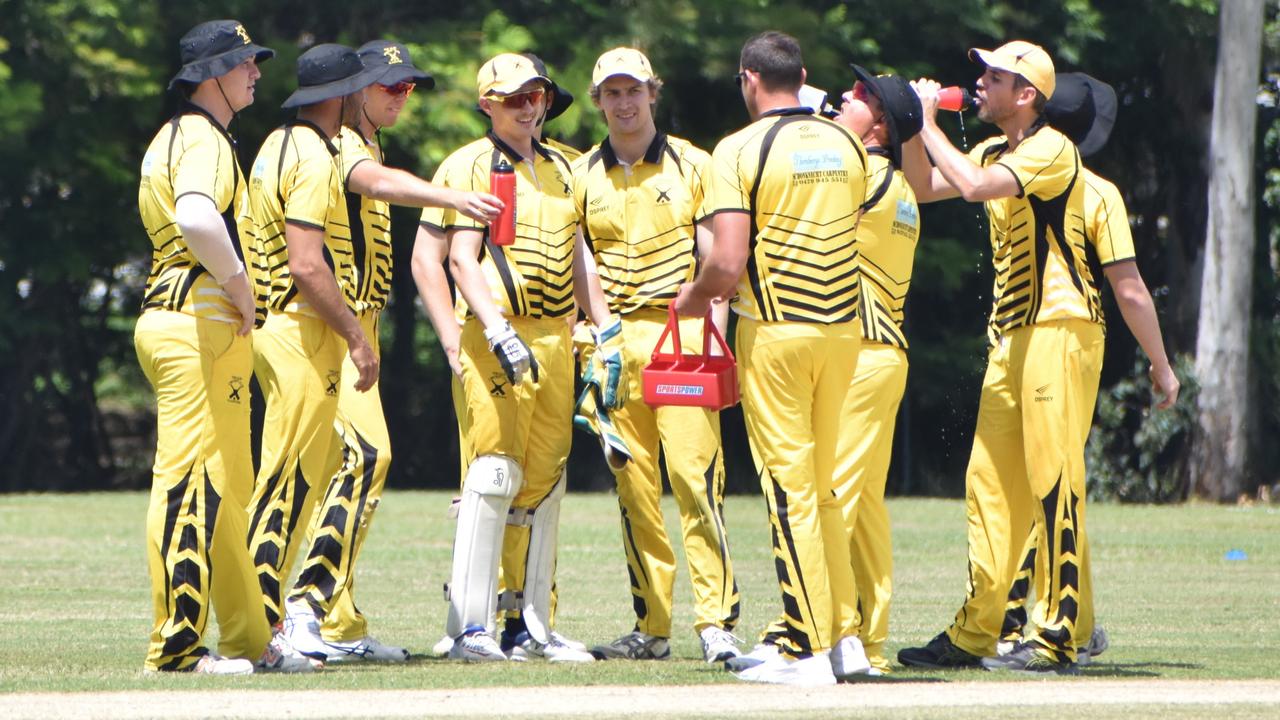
{"x":612,"y":701}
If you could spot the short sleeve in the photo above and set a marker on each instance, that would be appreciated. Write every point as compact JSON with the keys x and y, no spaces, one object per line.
{"x":352,"y":151}
{"x":1108,"y":222}
{"x":700,"y":164}
{"x":438,"y":217}
{"x":1044,"y":164}
{"x":308,"y":190}
{"x":724,"y":187}
{"x":203,"y":166}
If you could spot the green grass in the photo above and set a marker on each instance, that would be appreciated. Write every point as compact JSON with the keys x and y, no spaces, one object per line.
{"x":75,"y":613}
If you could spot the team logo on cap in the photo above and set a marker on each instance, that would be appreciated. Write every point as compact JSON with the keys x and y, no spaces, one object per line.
{"x":393,"y":55}
{"x":244,"y":34}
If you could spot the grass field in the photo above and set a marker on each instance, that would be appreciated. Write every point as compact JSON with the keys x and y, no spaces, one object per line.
{"x":74,"y":611}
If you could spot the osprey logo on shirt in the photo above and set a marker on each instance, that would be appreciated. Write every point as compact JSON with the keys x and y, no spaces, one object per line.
{"x":663,"y":197}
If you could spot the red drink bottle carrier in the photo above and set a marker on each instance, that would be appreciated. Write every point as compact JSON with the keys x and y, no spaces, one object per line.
{"x":705,"y":380}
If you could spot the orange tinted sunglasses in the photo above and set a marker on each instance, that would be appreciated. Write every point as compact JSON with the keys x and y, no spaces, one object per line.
{"x":403,"y":87}
{"x":516,"y":101}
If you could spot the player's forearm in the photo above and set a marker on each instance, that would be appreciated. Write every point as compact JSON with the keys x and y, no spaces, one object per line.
{"x":206,"y":235}
{"x":472,"y":285}
{"x":433,"y":289}
{"x":587,"y":292}
{"x":928,"y":184}
{"x":1139,"y":313}
{"x":319,"y":289}
{"x":399,"y":187}
{"x":954,"y":166}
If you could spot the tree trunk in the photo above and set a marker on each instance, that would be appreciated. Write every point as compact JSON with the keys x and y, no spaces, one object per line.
{"x":1218,"y":468}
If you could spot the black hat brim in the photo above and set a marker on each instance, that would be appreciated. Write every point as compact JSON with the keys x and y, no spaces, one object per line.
{"x":873,"y":84}
{"x":198,"y":71}
{"x":393,"y":74}
{"x":560,"y":102}
{"x":1104,"y":116}
{"x":338,"y":88}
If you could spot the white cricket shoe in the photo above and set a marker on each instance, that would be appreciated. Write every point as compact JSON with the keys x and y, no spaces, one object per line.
{"x":555,"y":650}
{"x":443,"y":646}
{"x":217,"y":665}
{"x":718,"y":644}
{"x":557,"y":637}
{"x":280,"y":656}
{"x":367,"y":648}
{"x":849,"y":658}
{"x":812,"y":671}
{"x":476,"y":645}
{"x":760,"y":653}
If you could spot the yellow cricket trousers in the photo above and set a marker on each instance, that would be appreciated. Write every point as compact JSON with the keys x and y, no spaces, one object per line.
{"x":531,"y":423}
{"x":1027,"y":471}
{"x":298,"y":360}
{"x":341,"y":521}
{"x":201,"y":480}
{"x":862,"y":468}
{"x":794,"y":378}
{"x":689,"y":441}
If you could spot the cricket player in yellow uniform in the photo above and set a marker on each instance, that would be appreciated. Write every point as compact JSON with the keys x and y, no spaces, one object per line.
{"x":303,"y":231}
{"x":322,"y":618}
{"x":785,"y":194}
{"x":448,"y":314}
{"x":517,"y":368}
{"x":884,"y":112}
{"x":193,"y":342}
{"x":1084,"y":109}
{"x":1042,"y":372}
{"x":639,"y":198}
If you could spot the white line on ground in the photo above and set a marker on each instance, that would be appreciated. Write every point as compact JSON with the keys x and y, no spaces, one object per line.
{"x":600,"y":701}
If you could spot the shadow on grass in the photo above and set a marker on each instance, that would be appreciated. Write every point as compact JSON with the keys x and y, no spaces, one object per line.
{"x":891,"y":680}
{"x":1138,"y":669}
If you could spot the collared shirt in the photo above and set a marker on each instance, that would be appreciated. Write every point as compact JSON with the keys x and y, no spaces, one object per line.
{"x":802,"y":179}
{"x":191,"y":154}
{"x":370,"y":225}
{"x":296,"y":179}
{"x":887,"y":238}
{"x":639,"y":221}
{"x":1038,"y":237}
{"x":534,"y":275}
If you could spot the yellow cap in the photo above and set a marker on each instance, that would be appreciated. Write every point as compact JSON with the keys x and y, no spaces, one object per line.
{"x":505,"y":74}
{"x":622,"y":61}
{"x":1026,"y":59}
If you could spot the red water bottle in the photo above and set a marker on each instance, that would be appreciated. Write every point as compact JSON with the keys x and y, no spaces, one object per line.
{"x":502,"y":182}
{"x":954,"y":99}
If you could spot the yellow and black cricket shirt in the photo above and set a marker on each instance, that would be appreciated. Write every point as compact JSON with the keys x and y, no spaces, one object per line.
{"x":639,"y":221}
{"x":887,"y":238}
{"x":802,"y":179}
{"x":296,"y":179}
{"x":533,"y":276}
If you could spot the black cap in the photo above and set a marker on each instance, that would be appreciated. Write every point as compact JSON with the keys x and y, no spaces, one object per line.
{"x":901,"y":105}
{"x":1084,"y":109}
{"x":561,"y":99}
{"x":393,"y":58}
{"x":213,"y":49}
{"x":328,"y":71}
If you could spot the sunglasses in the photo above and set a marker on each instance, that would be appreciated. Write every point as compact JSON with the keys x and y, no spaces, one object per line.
{"x":742,"y":75}
{"x":860,"y":92}
{"x":518,"y":100}
{"x":403,"y":87}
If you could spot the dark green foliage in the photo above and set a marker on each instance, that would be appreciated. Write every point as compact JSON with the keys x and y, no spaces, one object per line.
{"x":81,"y":92}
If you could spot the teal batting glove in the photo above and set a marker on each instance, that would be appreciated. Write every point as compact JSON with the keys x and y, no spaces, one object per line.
{"x":607,"y":365}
